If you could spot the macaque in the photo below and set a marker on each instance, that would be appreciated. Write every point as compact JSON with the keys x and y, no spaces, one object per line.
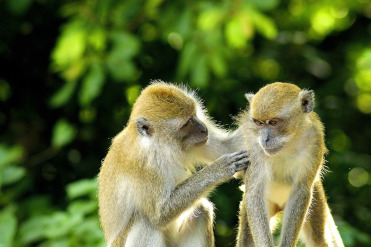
{"x":284,"y":139}
{"x":149,"y":192}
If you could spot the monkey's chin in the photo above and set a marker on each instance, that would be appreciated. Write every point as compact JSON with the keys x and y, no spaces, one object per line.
{"x":203,"y":142}
{"x":272,"y":151}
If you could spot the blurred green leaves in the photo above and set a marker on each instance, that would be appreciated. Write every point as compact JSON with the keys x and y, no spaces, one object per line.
{"x":77,"y":226}
{"x":107,"y":51}
{"x":92,"y":84}
{"x":119,"y":61}
{"x":63,"y":133}
{"x":8,"y":226}
{"x":9,"y":171}
{"x":19,"y":7}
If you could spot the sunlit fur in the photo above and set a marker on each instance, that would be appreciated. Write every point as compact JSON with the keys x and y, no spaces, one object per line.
{"x":140,"y":173}
{"x":289,"y":180}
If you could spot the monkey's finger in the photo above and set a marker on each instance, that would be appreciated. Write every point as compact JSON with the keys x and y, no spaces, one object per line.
{"x":242,"y":164}
{"x":240,"y":168}
{"x":239,"y":152}
{"x":245,"y":160}
{"x":239,"y":156}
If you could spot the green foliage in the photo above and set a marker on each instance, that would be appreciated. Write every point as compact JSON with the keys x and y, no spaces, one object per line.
{"x":77,"y":226}
{"x":81,"y":65}
{"x":8,"y":226}
{"x":9,"y":172}
{"x":63,"y":133}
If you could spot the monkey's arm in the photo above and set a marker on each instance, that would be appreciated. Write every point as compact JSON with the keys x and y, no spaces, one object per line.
{"x":295,"y":212}
{"x":256,"y":205}
{"x":186,"y":193}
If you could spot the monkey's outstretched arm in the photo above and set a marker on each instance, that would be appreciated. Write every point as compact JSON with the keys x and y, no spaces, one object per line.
{"x":185,"y":194}
{"x":294,"y":214}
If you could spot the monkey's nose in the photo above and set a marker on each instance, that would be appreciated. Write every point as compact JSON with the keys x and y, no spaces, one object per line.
{"x":266,"y":140}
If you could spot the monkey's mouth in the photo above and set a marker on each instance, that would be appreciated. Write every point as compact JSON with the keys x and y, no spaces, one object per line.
{"x":272,"y":150}
{"x":202,"y":141}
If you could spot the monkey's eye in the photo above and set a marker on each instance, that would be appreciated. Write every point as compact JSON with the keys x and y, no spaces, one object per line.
{"x":273,"y":122}
{"x":186,"y":123}
{"x":258,"y":122}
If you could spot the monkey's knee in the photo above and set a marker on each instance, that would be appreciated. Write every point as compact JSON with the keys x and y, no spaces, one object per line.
{"x":202,"y":214}
{"x":244,"y":237}
{"x":143,"y":233}
{"x":196,"y":226}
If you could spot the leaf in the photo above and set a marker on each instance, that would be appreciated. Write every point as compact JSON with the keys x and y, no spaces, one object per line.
{"x":9,"y":155}
{"x":217,"y":64}
{"x":97,"y":39}
{"x":263,"y":24}
{"x":132,"y":94}
{"x":200,"y":73}
{"x":82,"y":207}
{"x":186,"y":57}
{"x":92,"y":84}
{"x":19,"y":7}
{"x":119,"y":60}
{"x":184,"y":23}
{"x":63,"y":133}
{"x":70,"y":46}
{"x":90,"y":232}
{"x":64,"y":242}
{"x":33,"y":229}
{"x":208,"y":19}
{"x":266,"y":4}
{"x":234,"y":33}
{"x":120,"y":67}
{"x":12,"y":174}
{"x":61,"y":224}
{"x":126,"y":43}
{"x":63,"y":95}
{"x":81,"y":188}
{"x":8,"y":226}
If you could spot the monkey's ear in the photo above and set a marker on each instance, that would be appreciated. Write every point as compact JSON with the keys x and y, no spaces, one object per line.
{"x":144,"y":127}
{"x":249,"y":97}
{"x":307,"y":100}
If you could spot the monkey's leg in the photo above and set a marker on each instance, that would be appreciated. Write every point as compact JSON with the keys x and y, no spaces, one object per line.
{"x":143,"y":234}
{"x":319,"y":228}
{"x":335,"y":235}
{"x":244,"y":237}
{"x":195,"y":226}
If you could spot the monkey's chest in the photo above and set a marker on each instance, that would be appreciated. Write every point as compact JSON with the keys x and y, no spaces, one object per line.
{"x":285,"y":173}
{"x":288,"y":169}
{"x":279,"y":193}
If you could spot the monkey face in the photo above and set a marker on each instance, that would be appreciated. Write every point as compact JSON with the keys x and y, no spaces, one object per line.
{"x":193,"y":133}
{"x":187,"y":132}
{"x":271,"y":134}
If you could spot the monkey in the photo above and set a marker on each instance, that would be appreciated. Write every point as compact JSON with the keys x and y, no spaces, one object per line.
{"x":149,"y":191}
{"x":284,"y":139}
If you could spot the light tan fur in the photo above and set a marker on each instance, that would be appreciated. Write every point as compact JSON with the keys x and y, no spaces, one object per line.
{"x":148,"y":193}
{"x":287,"y":157}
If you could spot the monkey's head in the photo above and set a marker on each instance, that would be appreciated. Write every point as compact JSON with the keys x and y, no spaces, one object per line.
{"x":276,"y":112}
{"x":167,"y":114}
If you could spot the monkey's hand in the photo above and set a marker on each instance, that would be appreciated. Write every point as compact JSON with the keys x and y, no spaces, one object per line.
{"x":193,"y":188}
{"x":227,"y":165}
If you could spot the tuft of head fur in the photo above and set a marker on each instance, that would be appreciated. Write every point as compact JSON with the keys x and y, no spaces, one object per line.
{"x":162,"y":101}
{"x":273,"y":98}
